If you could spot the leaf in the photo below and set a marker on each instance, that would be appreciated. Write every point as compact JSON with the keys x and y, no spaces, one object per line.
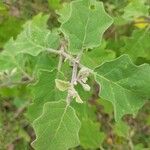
{"x":125,"y":85}
{"x":14,"y":66}
{"x":135,"y":9}
{"x":54,"y":4}
{"x":62,"y":85}
{"x":90,"y":135}
{"x":57,"y":128}
{"x":107,"y":106}
{"x":34,"y":39}
{"x":8,"y":65}
{"x":44,"y":91}
{"x":122,"y":129}
{"x":5,"y":32}
{"x":82,"y":29}
{"x":93,"y":58}
{"x":44,"y":62}
{"x":64,"y":12}
{"x":138,"y":45}
{"x":85,"y":111}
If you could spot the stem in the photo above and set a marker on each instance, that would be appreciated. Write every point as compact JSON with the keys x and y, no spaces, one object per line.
{"x":131,"y":144}
{"x":60,"y":63}
{"x":73,"y":80}
{"x":69,"y":57}
{"x":76,"y":64}
{"x":101,"y":148}
{"x":60,"y":58}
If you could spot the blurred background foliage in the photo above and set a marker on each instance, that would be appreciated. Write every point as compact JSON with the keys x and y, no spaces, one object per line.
{"x":131,"y":28}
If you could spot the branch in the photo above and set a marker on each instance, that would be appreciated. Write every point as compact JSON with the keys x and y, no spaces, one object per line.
{"x":76,"y":63}
{"x":69,"y":57}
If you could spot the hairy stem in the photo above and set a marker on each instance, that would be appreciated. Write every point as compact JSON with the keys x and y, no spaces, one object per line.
{"x":69,"y":57}
{"x":73,"y":80}
{"x":62,"y":49}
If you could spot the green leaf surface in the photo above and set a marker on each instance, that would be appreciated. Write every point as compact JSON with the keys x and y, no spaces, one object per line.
{"x":107,"y":106}
{"x":34,"y":38}
{"x":82,"y":29}
{"x":97,"y":56}
{"x":54,"y":4}
{"x":85,"y":111}
{"x":45,"y":61}
{"x":135,"y":9}
{"x":64,"y":13}
{"x":138,"y":45}
{"x":122,"y":129}
{"x":9,"y":27}
{"x":125,"y":85}
{"x":90,"y":135}
{"x":44,"y":90}
{"x":57,"y":128}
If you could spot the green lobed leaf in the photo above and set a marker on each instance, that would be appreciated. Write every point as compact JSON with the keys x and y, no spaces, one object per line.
{"x":135,"y":9}
{"x":138,"y":45}
{"x":85,"y":111}
{"x":125,"y":85}
{"x":90,"y":135}
{"x":9,"y":27}
{"x":34,"y":39}
{"x":122,"y":129}
{"x":93,"y":58}
{"x":64,"y":12}
{"x":44,"y":61}
{"x":107,"y":106}
{"x":82,"y":29}
{"x":57,"y":128}
{"x":44,"y":90}
{"x":12,"y":63}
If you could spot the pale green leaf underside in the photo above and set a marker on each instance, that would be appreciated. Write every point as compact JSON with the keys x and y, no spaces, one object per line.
{"x":125,"y":85}
{"x":57,"y":128}
{"x":44,"y":91}
{"x":86,"y":24}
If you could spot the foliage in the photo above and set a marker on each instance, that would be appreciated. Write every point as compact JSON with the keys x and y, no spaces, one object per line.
{"x":73,"y":70}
